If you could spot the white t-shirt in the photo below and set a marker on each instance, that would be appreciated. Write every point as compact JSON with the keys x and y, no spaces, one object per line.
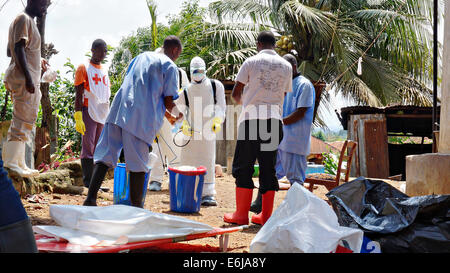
{"x":266,"y":76}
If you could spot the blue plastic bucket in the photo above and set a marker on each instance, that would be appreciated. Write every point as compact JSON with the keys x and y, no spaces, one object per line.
{"x":315,"y":169}
{"x":186,"y":189}
{"x":122,"y":185}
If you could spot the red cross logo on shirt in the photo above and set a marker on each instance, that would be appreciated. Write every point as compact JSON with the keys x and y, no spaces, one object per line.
{"x":96,"y":79}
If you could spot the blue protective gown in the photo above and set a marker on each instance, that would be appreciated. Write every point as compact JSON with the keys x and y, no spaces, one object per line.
{"x":137,"y":111}
{"x":296,"y":143}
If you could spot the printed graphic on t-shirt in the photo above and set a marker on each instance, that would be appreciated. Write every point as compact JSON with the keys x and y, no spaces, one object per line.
{"x":97,"y":80}
{"x":272,"y":79}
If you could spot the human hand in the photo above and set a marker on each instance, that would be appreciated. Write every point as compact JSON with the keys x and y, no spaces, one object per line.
{"x":180,"y":117}
{"x":172,"y":120}
{"x":79,"y":124}
{"x":29,"y":85}
{"x":44,"y":65}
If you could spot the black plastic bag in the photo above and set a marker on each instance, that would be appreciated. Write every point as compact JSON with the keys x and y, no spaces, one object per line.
{"x":398,"y":222}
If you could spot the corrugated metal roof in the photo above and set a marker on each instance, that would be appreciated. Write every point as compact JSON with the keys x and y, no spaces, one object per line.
{"x":403,"y":119}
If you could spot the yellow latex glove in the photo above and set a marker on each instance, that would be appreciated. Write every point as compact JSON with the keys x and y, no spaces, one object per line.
{"x":217,"y":125}
{"x":79,"y":124}
{"x":186,"y":129}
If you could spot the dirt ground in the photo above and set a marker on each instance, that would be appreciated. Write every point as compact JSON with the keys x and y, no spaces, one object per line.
{"x":239,"y":242}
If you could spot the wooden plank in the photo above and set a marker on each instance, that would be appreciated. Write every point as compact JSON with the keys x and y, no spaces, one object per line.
{"x":377,"y":153}
{"x":436,"y":142}
{"x":353,"y":135}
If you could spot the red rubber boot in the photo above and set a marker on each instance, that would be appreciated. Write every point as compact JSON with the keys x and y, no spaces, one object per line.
{"x":267,"y":208}
{"x":243,"y":203}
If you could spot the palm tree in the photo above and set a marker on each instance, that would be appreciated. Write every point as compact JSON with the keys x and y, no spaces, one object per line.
{"x":230,"y":45}
{"x":152,"y":7}
{"x":223,"y":46}
{"x":393,"y":38}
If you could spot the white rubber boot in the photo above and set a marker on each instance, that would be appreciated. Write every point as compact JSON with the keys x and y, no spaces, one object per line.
{"x":13,"y":155}
{"x":22,"y":163}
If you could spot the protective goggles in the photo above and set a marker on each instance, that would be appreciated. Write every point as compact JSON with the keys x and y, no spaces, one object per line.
{"x":199,"y":71}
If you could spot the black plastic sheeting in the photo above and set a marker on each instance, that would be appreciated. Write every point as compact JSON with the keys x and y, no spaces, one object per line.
{"x":398,"y":222}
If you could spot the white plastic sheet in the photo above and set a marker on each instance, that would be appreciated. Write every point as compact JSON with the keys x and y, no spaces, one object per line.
{"x":117,"y":224}
{"x":304,"y":223}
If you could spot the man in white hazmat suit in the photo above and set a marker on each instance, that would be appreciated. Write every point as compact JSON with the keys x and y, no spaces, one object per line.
{"x":164,"y":149}
{"x":205,"y":111}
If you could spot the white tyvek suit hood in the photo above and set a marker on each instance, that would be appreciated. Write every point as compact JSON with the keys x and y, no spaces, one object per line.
{"x":198,"y":63}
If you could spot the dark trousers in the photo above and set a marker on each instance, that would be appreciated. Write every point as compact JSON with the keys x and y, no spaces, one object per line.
{"x":258,"y":139}
{"x":91,"y":136}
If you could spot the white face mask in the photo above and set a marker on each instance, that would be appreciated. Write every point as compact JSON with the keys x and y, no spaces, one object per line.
{"x":198,"y":77}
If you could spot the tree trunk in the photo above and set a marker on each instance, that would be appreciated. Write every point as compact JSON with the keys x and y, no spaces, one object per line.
{"x":48,"y":120}
{"x":319,"y":87}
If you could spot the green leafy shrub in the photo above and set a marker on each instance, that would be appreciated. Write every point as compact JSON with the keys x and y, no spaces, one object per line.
{"x":62,"y":96}
{"x":330,"y":162}
{"x":9,"y":108}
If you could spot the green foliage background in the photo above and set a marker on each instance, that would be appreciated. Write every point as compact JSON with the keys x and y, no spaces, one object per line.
{"x":8,"y":115}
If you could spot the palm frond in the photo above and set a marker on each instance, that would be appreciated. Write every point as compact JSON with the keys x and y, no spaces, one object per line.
{"x":225,"y":65}
{"x":228,"y":35}
{"x":355,"y":88}
{"x":415,"y":93}
{"x":406,"y":42}
{"x":306,"y":19}
{"x":241,"y":10}
{"x":382,"y":79}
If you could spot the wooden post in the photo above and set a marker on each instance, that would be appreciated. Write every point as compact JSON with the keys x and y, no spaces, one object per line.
{"x":372,"y":155}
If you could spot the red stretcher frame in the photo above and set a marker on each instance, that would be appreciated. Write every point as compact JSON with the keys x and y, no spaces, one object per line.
{"x":55,"y":245}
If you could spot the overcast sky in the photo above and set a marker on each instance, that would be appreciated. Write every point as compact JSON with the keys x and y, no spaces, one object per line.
{"x":72,"y":26}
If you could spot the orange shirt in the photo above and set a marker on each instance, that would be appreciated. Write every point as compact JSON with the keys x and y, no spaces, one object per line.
{"x":81,"y":77}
